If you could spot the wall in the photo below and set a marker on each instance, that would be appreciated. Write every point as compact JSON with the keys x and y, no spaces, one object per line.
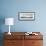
{"x":10,"y":8}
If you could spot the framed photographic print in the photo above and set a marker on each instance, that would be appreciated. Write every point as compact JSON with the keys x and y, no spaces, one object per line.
{"x":26,"y":16}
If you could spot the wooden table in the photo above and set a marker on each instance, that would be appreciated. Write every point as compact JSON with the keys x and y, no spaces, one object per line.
{"x":20,"y":39}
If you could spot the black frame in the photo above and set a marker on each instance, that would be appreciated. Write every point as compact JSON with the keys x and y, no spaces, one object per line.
{"x":25,"y":12}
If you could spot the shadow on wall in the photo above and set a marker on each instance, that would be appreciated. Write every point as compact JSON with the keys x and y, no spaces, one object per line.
{"x":2,"y":21}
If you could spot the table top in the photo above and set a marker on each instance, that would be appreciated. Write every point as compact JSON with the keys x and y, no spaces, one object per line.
{"x":22,"y":35}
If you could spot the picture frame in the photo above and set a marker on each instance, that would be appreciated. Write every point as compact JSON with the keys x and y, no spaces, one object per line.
{"x":26,"y":16}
